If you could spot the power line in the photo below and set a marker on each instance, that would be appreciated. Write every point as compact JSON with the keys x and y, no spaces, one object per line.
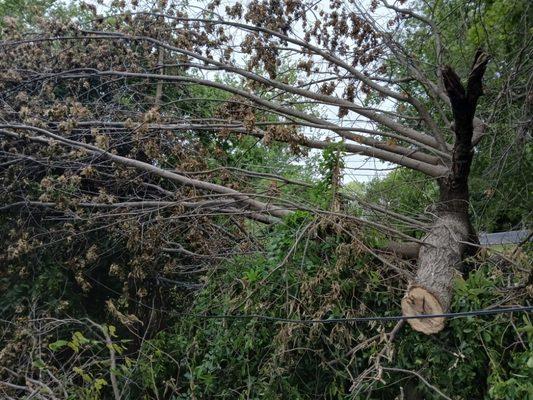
{"x":462,"y":314}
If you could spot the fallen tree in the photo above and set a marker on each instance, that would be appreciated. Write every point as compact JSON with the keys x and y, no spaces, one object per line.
{"x":345,"y":62}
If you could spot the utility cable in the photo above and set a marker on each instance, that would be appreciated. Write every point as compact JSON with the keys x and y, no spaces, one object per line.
{"x":455,"y":315}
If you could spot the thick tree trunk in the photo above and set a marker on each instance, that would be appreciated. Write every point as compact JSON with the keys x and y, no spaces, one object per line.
{"x":439,"y":261}
{"x":440,"y":258}
{"x":446,"y":245}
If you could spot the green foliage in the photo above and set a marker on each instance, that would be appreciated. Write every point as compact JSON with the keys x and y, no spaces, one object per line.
{"x":485,"y":357}
{"x":404,"y":191}
{"x":500,"y":193}
{"x":61,"y":268}
{"x":329,"y":166}
{"x":473,"y":349}
{"x":45,"y":284}
{"x":502,"y":162}
{"x":24,"y":10}
{"x":331,"y":161}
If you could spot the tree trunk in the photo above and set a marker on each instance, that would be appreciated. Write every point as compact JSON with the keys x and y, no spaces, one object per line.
{"x":447,"y":243}
{"x":439,"y":260}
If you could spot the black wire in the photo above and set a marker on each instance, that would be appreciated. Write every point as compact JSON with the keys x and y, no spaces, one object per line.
{"x":462,"y":314}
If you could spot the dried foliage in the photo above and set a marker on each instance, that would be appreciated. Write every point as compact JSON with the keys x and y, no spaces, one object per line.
{"x":163,"y":162}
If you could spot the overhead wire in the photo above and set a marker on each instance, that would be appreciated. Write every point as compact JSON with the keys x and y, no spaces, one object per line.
{"x":340,"y":320}
{"x":453,"y":315}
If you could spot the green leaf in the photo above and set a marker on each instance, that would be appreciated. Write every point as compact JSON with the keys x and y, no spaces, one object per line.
{"x":99,"y":383}
{"x":57,"y":345}
{"x":80,"y":338}
{"x":112,"y":330}
{"x":39,"y":364}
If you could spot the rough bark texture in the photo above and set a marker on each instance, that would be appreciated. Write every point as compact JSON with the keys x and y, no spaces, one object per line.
{"x":446,"y":245}
{"x":405,"y":250}
{"x":442,"y":253}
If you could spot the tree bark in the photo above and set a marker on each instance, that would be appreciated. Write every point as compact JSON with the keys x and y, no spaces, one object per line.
{"x":448,"y":242}
{"x":407,"y":250}
{"x":438,"y":262}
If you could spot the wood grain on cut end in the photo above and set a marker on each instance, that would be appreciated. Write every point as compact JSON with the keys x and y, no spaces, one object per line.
{"x":419,"y":301}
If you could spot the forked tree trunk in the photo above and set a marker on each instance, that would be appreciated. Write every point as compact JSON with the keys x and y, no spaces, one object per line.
{"x":446,"y":245}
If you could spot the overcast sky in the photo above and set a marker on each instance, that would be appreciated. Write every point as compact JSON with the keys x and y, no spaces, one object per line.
{"x":358,"y":168}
